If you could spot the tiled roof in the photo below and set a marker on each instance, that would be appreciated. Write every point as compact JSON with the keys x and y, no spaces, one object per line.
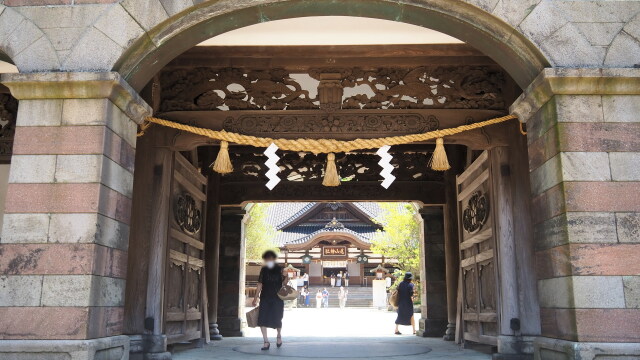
{"x":301,"y":234}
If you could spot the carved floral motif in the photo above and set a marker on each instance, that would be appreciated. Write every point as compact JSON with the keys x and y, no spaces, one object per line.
{"x":187,"y":215}
{"x":468,"y":87}
{"x":331,"y":122}
{"x":476,"y":213}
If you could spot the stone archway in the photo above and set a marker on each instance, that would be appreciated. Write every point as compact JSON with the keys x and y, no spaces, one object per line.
{"x":480,"y":29}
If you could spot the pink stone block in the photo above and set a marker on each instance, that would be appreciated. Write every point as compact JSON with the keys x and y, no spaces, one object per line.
{"x":34,"y":140}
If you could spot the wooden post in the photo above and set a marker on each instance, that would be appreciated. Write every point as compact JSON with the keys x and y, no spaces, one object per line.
{"x":451,"y":251}
{"x":212,"y":248}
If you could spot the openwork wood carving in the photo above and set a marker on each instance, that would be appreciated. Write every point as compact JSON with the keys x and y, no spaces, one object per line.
{"x":409,"y":166}
{"x":331,"y":122}
{"x":468,"y":87}
{"x":476,"y":213}
{"x":187,"y":215}
{"x":8,"y":113}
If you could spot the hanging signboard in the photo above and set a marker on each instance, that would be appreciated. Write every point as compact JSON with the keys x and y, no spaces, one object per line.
{"x":339,"y":251}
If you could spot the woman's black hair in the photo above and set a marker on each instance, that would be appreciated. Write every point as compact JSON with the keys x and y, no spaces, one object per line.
{"x":269,"y":254}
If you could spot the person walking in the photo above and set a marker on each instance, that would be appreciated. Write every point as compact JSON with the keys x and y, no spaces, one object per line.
{"x":305,"y":280}
{"x":325,"y":297}
{"x":304,"y":294}
{"x":346,"y":279}
{"x":271,"y":306}
{"x":405,"y":303}
{"x":333,"y":280}
{"x":342,"y":296}
{"x":339,"y":279}
{"x":307,"y":298}
{"x":319,"y":299}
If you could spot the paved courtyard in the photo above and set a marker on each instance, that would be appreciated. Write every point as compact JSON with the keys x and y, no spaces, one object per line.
{"x":334,"y":333}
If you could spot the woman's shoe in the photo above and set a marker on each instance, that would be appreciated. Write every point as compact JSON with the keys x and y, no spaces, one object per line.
{"x":279,"y":342}
{"x":265,"y":348}
{"x":398,"y":333}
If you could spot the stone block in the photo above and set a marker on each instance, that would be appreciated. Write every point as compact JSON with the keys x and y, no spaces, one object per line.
{"x":78,"y":168}
{"x":38,"y":259}
{"x":89,"y":228}
{"x":86,"y":111}
{"x":111,"y":348}
{"x":82,"y":290}
{"x":114,"y":205}
{"x":32,"y":169}
{"x":578,"y":228}
{"x":20,"y":290}
{"x":551,"y":349}
{"x":622,"y":51}
{"x":568,"y":47}
{"x":25,"y":228}
{"x":599,"y":137}
{"x":53,"y":198}
{"x":119,"y":26}
{"x":59,"y":140}
{"x":546,"y":176}
{"x":119,"y":151}
{"x":63,"y":16}
{"x":94,"y":52}
{"x":543,"y":21}
{"x":628,"y":227}
{"x":585,"y":166}
{"x":632,"y":291}
{"x":148,"y":13}
{"x":625,"y":166}
{"x":549,"y":204}
{"x":175,"y":6}
{"x":579,"y":108}
{"x":601,"y":196}
{"x":116,"y":177}
{"x":42,"y":323}
{"x":21,"y":37}
{"x":39,"y":56}
{"x":581,"y":292}
{"x":64,"y":38}
{"x":621,"y":108}
{"x":46,"y":112}
{"x":599,"y":33}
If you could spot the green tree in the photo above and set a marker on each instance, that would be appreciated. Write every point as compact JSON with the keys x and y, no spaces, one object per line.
{"x":259,"y":234}
{"x":401,"y":236}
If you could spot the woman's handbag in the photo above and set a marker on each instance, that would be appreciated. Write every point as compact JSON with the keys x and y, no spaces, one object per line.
{"x":393,"y":299}
{"x":286,"y":292}
{"x":252,"y":317}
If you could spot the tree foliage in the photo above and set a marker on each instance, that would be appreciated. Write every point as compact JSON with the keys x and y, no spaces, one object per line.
{"x":259,"y":234}
{"x":401,"y":236}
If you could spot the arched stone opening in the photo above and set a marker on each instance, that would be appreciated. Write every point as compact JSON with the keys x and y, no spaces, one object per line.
{"x":510,"y":49}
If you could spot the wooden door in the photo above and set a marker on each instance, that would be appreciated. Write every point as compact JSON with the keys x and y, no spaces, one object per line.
{"x":184,"y":285}
{"x":479,"y":318}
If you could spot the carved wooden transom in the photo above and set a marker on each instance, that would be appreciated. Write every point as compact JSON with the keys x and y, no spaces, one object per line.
{"x":203,"y":88}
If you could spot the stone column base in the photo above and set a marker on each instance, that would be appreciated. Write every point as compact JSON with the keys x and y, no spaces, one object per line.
{"x":450,"y":333}
{"x":547,"y":348}
{"x":214,"y":333}
{"x":113,"y":348}
{"x":149,"y":347}
{"x":431,"y":327}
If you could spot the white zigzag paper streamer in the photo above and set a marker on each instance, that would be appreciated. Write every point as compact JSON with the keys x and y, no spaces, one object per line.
{"x":272,"y":165}
{"x":387,"y":168}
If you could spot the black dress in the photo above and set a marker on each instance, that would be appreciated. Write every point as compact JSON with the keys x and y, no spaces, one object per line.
{"x":271,"y":306}
{"x":405,"y":303}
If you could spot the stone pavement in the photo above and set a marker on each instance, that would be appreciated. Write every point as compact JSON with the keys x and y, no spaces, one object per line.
{"x":334,"y":333}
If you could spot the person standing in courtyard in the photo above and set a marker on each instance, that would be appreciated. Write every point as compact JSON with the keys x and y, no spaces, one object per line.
{"x":405,"y":304}
{"x":319,"y":299}
{"x":346,"y":279}
{"x":333,"y":280}
{"x":342,"y":296}
{"x":271,"y":306}
{"x":325,"y":297}
{"x":305,"y":280}
{"x":339,"y":279}
{"x":304,"y":294}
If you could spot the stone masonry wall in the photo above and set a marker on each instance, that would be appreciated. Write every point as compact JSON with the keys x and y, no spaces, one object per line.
{"x":65,"y":236}
{"x":584,"y":157}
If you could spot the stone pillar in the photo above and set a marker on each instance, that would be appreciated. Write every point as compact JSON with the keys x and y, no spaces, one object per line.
{"x":230,"y":278}
{"x":583,"y":127}
{"x":433,"y":322}
{"x":66,"y":227}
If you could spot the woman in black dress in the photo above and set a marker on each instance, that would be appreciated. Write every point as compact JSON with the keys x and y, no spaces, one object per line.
{"x":405,"y":303}
{"x":271,"y":306}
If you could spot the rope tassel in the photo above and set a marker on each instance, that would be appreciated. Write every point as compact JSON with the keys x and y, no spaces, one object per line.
{"x":331,"y":177}
{"x":439,"y":161}
{"x":223,"y":165}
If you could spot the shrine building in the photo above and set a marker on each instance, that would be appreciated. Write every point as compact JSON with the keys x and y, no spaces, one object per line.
{"x":324,"y":239}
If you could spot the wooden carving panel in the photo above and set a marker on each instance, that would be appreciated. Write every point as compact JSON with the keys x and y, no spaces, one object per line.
{"x":477,"y":253}
{"x":184,"y":285}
